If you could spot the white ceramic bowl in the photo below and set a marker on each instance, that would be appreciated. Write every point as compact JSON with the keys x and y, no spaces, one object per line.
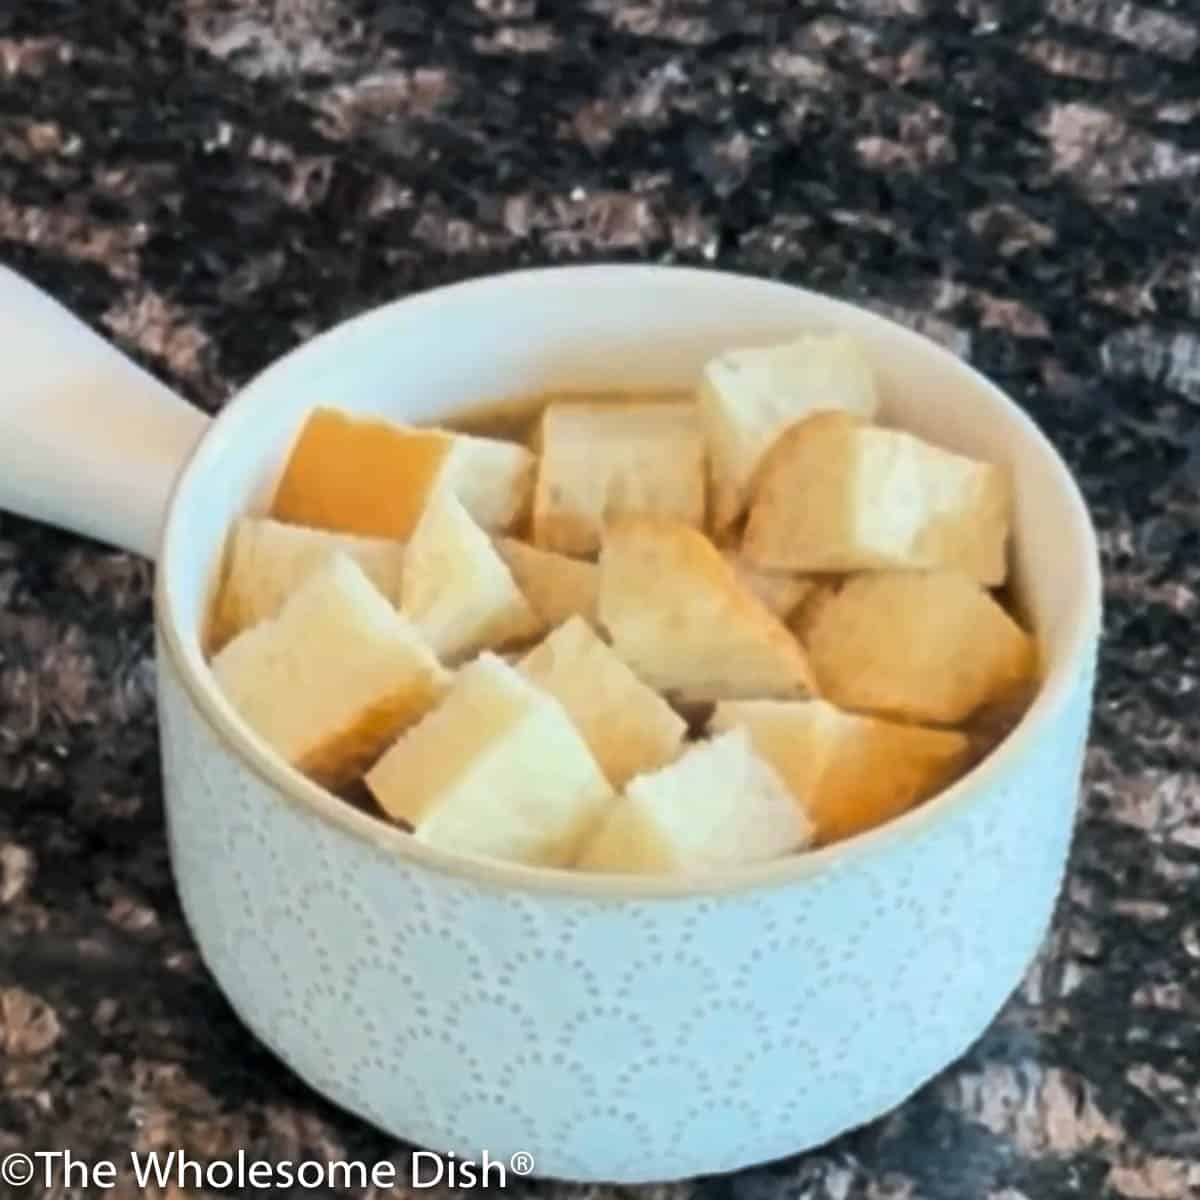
{"x":618,"y":1030}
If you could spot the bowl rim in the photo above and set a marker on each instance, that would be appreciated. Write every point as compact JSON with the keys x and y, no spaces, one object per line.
{"x":290,"y":786}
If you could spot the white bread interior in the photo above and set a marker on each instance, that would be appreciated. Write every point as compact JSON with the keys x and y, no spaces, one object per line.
{"x":267,"y":560}
{"x":850,"y":772}
{"x":837,"y":494}
{"x":334,"y":676}
{"x":457,"y":589}
{"x":749,"y":396}
{"x":930,"y":647}
{"x":497,"y":770}
{"x":679,"y":617}
{"x":493,"y":479}
{"x":603,"y":461}
{"x":718,"y":805}
{"x":628,"y":726}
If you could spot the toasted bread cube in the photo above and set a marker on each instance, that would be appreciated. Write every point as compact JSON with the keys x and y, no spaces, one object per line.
{"x":558,"y":587}
{"x":748,"y":397}
{"x":603,"y":461}
{"x":266,"y":561}
{"x":781,"y":592}
{"x":802,"y":618}
{"x":457,"y":589}
{"x":629,"y":727}
{"x":497,"y":770}
{"x":835,"y":494}
{"x":719,"y":805}
{"x":374,"y":477}
{"x":678,"y":616}
{"x":850,"y":772}
{"x":334,"y":676}
{"x":929,"y":647}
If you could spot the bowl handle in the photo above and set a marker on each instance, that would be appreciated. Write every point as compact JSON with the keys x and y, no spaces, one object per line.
{"x":89,"y":441}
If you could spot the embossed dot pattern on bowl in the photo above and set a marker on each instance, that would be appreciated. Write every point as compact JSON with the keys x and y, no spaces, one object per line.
{"x":616,"y":1039}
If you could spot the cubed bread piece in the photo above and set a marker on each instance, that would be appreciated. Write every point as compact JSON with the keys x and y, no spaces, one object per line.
{"x":679,"y":617}
{"x":850,"y":772}
{"x":781,"y":592}
{"x":334,"y":676}
{"x":629,"y":727}
{"x":370,"y":476}
{"x":497,"y":770}
{"x":719,"y":805}
{"x":557,"y":586}
{"x":457,"y":589}
{"x":603,"y":461}
{"x":836,"y":494}
{"x":266,"y":561}
{"x":748,"y":397}
{"x":802,"y":618}
{"x":922,"y":646}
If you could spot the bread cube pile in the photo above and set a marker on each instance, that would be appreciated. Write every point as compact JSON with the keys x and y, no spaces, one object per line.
{"x":664,"y":637}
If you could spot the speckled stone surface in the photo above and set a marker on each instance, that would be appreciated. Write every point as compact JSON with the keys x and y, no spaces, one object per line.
{"x":211,"y":181}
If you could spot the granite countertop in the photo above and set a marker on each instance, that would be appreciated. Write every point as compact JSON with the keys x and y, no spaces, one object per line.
{"x":212,"y":181}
